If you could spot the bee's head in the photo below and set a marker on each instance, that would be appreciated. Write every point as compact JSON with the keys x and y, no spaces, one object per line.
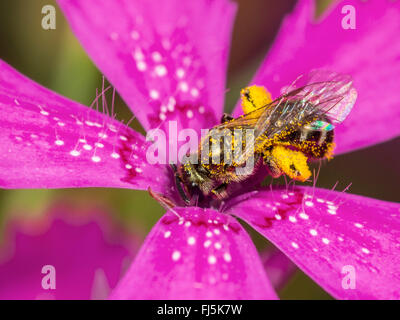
{"x":191,"y":175}
{"x":195,"y":177}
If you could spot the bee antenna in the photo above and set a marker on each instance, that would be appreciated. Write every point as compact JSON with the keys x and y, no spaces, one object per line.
{"x":164,"y":201}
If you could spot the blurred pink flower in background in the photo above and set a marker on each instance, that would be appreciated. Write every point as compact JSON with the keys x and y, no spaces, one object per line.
{"x":168,"y":61}
{"x":87,"y":250}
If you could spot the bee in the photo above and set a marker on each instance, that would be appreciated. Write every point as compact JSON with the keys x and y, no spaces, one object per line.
{"x":288,"y":132}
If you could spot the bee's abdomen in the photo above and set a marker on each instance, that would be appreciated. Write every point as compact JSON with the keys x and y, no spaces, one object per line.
{"x":315,"y":143}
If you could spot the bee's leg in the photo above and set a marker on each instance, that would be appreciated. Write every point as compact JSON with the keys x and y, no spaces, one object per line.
{"x":226,"y":117}
{"x":273,"y":168}
{"x":220,"y":191}
{"x":182,"y":193}
{"x":291,"y":162}
{"x":271,"y":164}
{"x":178,"y":183}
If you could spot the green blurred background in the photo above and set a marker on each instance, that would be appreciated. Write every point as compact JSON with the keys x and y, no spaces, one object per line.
{"x":55,"y":59}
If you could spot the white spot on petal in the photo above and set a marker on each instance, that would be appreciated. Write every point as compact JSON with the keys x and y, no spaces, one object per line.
{"x":194,"y":92}
{"x":303,"y":215}
{"x":212,"y":259}
{"x":309,"y":203}
{"x":102,"y":135}
{"x":191,"y":241}
{"x":96,"y":159}
{"x":227,"y":257}
{"x":141,"y":65}
{"x":365,"y":250}
{"x":115,"y":155}
{"x":183,"y":86}
{"x":160,"y":70}
{"x":154,"y":94}
{"x":87,"y":147}
{"x":138,"y":54}
{"x":207,"y":243}
{"x":180,"y":73}
{"x":325,"y":240}
{"x":59,"y":142}
{"x":189,"y":114}
{"x":156,"y":56}
{"x":176,"y":255}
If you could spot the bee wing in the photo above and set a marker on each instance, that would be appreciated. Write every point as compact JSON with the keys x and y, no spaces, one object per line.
{"x":330,"y":92}
{"x":246,"y":121}
{"x":324,"y":92}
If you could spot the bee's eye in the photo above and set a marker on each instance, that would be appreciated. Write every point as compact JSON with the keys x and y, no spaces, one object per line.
{"x":194,"y":184}
{"x":320,"y":125}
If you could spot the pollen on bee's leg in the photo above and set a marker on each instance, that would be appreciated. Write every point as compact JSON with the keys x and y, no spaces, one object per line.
{"x":329,"y":152}
{"x":291,"y":162}
{"x":254,"y":97}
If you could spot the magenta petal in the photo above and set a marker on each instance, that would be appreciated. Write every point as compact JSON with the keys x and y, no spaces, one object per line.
{"x":278,"y":266}
{"x":326,"y":233}
{"x":48,"y":141}
{"x":202,"y":255}
{"x":88,"y":257}
{"x":166,"y":58}
{"x":370,"y":54}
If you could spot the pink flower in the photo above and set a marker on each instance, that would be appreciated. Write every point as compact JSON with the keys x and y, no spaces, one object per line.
{"x":168,"y":61}
{"x":87,"y":251}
